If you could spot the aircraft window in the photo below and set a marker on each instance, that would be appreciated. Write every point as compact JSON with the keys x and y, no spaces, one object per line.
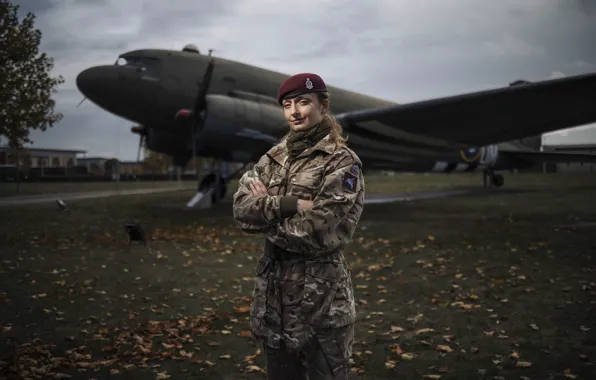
{"x":149,"y":67}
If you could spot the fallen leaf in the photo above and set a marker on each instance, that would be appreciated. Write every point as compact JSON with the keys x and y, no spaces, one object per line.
{"x":254,"y":368}
{"x":397,"y":349}
{"x":422,"y":331}
{"x":242,"y":309}
{"x":444,"y":348}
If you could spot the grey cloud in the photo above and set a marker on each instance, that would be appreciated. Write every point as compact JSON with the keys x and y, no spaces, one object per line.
{"x":160,"y":18}
{"x":33,"y":6}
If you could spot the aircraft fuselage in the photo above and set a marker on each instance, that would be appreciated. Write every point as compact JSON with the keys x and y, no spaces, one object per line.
{"x":243,"y":118}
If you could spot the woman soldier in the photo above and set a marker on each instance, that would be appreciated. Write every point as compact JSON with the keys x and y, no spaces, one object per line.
{"x":306,"y":194}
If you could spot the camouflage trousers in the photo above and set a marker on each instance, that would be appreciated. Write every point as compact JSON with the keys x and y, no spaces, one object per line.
{"x":325,"y":357}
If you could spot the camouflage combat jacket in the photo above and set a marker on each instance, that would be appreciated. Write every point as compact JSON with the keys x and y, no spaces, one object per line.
{"x":313,"y":287}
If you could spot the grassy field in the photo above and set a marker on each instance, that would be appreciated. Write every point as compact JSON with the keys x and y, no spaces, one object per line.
{"x":376,"y":183}
{"x":484,"y":287}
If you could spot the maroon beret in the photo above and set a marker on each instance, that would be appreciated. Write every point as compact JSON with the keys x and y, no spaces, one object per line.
{"x":299,"y":84}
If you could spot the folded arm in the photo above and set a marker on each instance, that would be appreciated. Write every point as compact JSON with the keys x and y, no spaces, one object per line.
{"x":320,"y":230}
{"x":259,"y":213}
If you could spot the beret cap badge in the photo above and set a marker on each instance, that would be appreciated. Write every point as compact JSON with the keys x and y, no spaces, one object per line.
{"x":308,"y":84}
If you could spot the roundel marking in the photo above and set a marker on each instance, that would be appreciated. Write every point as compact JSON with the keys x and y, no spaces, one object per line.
{"x":470,"y":154}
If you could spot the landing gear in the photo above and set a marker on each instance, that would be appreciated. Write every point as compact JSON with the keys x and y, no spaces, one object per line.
{"x":214,"y":185}
{"x":210,"y":182}
{"x":490,"y":179}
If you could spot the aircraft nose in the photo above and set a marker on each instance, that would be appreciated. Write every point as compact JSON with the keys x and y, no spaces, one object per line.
{"x":94,"y":82}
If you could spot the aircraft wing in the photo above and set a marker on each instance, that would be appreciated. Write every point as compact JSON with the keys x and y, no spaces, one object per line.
{"x":483,"y":118}
{"x":538,"y":157}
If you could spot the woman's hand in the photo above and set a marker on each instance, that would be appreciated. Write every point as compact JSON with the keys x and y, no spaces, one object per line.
{"x":303,"y":204}
{"x":258,"y":188}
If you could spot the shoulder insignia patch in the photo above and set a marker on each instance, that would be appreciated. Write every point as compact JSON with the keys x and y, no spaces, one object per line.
{"x":354,"y":169}
{"x":349,"y":182}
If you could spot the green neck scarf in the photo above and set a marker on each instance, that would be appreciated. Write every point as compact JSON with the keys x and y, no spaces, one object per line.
{"x":298,"y":142}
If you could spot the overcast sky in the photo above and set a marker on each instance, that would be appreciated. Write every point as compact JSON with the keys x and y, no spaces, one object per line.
{"x":398,"y":50}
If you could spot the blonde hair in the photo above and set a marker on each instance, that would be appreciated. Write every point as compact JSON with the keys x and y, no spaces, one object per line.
{"x":337,"y":131}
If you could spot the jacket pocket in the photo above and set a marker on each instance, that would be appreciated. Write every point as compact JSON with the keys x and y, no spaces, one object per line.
{"x":274,"y":185}
{"x":321,"y":283}
{"x":306,"y":184}
{"x":262,"y":287}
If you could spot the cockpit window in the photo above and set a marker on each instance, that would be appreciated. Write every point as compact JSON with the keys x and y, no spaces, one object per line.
{"x":148,"y":67}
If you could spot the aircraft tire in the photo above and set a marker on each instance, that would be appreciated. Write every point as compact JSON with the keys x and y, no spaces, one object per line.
{"x":497,"y":180}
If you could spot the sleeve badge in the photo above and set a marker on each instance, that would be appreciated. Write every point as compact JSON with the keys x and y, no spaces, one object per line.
{"x":349,"y":182}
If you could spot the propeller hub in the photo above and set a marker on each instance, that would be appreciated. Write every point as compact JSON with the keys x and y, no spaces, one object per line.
{"x":140,"y":130}
{"x":183,"y":114}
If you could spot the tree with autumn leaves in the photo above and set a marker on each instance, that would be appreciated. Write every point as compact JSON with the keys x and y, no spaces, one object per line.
{"x":26,"y":85}
{"x":158,"y":163}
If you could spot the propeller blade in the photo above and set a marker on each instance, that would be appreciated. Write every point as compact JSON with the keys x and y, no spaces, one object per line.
{"x":200,"y":101}
{"x":201,"y":98}
{"x":141,"y":138}
{"x":85,"y":98}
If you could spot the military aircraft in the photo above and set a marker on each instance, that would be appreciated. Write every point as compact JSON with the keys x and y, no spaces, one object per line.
{"x":187,"y":104}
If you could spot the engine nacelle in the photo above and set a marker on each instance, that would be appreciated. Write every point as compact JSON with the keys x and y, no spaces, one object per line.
{"x":237,"y":129}
{"x":228,"y":114}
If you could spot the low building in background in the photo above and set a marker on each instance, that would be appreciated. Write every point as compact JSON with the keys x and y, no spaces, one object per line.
{"x":94,"y":165}
{"x":41,"y":158}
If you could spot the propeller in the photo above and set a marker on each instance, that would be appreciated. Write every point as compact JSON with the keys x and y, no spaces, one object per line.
{"x":196,"y":115}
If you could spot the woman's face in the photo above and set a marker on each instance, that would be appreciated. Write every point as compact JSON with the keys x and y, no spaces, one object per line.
{"x":304,"y":111}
